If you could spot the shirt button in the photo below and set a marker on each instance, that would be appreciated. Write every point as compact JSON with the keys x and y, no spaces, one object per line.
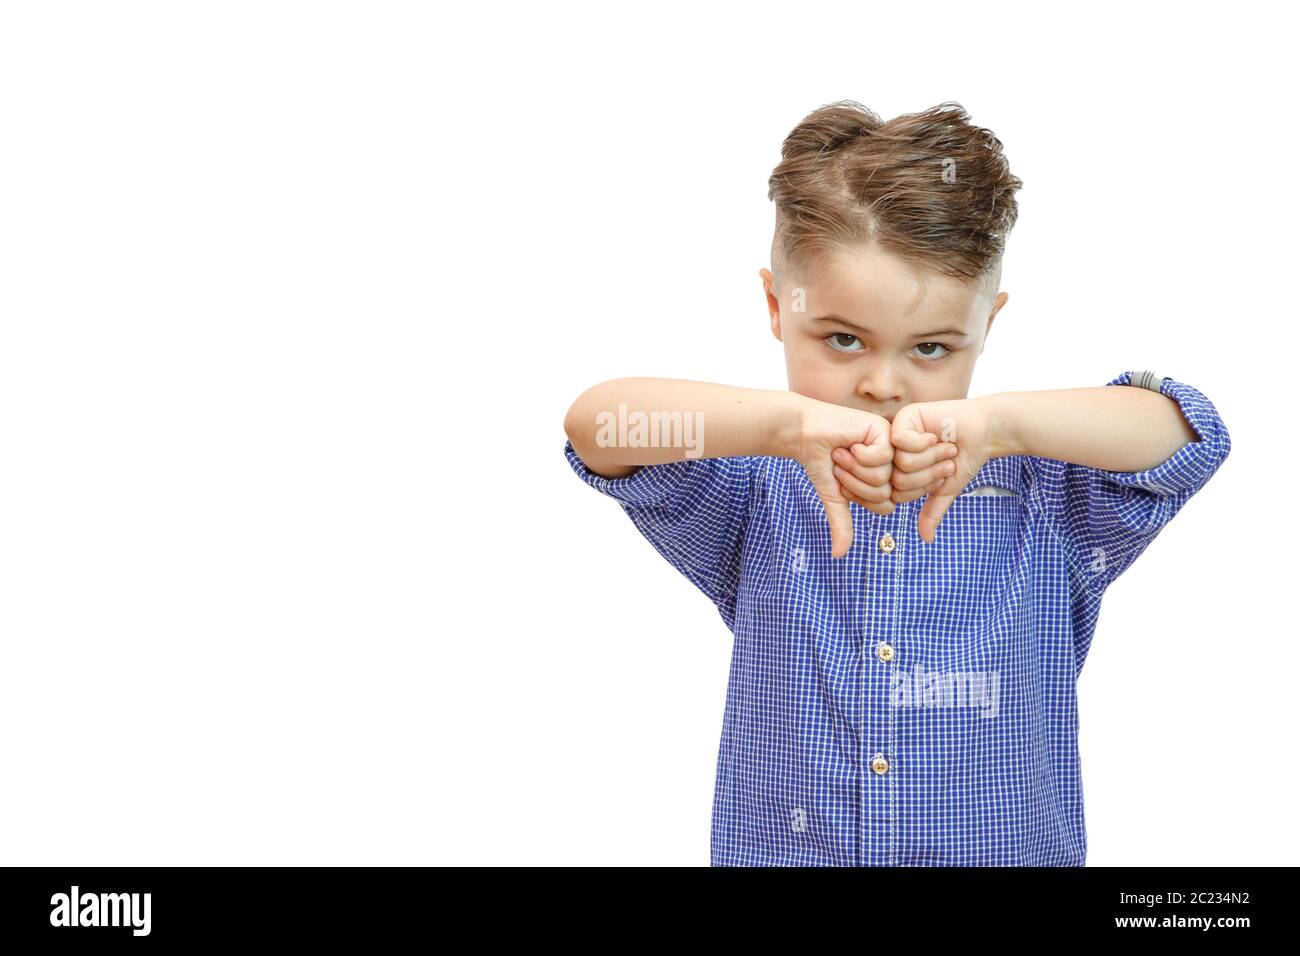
{"x":879,"y":764}
{"x":885,"y":652}
{"x":887,"y":543}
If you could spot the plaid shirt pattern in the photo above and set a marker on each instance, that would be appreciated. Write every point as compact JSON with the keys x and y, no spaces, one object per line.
{"x":911,"y":704}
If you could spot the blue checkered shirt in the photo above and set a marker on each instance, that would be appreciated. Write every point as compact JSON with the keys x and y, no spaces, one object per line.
{"x":911,"y":704}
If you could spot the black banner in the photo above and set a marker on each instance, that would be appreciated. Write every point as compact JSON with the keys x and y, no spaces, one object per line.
{"x":375,"y":905}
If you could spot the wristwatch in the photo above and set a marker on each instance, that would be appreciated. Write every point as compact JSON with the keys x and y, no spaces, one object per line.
{"x":1147,"y":379}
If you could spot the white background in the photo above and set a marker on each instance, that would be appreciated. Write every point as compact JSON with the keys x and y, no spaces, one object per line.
{"x":295,"y":297}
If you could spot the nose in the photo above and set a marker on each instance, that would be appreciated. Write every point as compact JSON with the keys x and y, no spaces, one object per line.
{"x":879,"y":387}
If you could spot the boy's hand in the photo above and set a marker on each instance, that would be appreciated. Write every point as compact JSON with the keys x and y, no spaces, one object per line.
{"x":863,"y":442}
{"x":922,"y":434}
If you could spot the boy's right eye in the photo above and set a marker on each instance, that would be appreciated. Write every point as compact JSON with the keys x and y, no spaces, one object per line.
{"x":832,"y":339}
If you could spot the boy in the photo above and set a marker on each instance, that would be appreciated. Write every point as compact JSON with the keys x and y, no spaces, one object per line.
{"x":912,"y":577}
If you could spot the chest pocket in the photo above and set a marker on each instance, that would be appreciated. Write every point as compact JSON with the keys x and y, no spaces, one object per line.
{"x":956,"y":589}
{"x":988,"y":490}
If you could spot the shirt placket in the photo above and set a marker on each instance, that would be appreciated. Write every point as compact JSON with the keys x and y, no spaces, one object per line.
{"x":881,"y":657}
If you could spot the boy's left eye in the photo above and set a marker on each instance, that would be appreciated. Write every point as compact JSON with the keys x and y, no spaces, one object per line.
{"x":938,"y":345}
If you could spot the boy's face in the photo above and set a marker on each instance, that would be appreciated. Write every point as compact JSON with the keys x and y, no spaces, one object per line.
{"x":896,"y":338}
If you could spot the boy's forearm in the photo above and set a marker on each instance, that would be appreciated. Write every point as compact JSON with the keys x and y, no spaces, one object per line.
{"x":1111,"y":427}
{"x":650,"y":421}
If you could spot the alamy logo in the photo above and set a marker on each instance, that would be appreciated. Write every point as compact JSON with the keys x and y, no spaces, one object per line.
{"x":101,"y":909}
{"x":921,"y":688}
{"x":651,"y":430}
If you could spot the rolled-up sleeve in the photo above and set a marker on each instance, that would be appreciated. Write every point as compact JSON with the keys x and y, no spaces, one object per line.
{"x":1107,"y":518}
{"x":694,"y":511}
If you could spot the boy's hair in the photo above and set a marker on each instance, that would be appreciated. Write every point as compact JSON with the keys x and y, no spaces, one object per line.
{"x":930,"y":187}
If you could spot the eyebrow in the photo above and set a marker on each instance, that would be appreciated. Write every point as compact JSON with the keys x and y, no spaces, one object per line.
{"x":959,"y":333}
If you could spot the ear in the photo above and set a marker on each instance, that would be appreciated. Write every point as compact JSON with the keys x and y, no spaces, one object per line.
{"x":998,"y":303}
{"x":773,"y":303}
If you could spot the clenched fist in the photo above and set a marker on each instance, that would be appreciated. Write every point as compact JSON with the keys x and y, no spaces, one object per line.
{"x":825,"y":427}
{"x":960,"y":427}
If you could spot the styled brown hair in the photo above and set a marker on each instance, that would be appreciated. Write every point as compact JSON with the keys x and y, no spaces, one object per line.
{"x":930,"y":187}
